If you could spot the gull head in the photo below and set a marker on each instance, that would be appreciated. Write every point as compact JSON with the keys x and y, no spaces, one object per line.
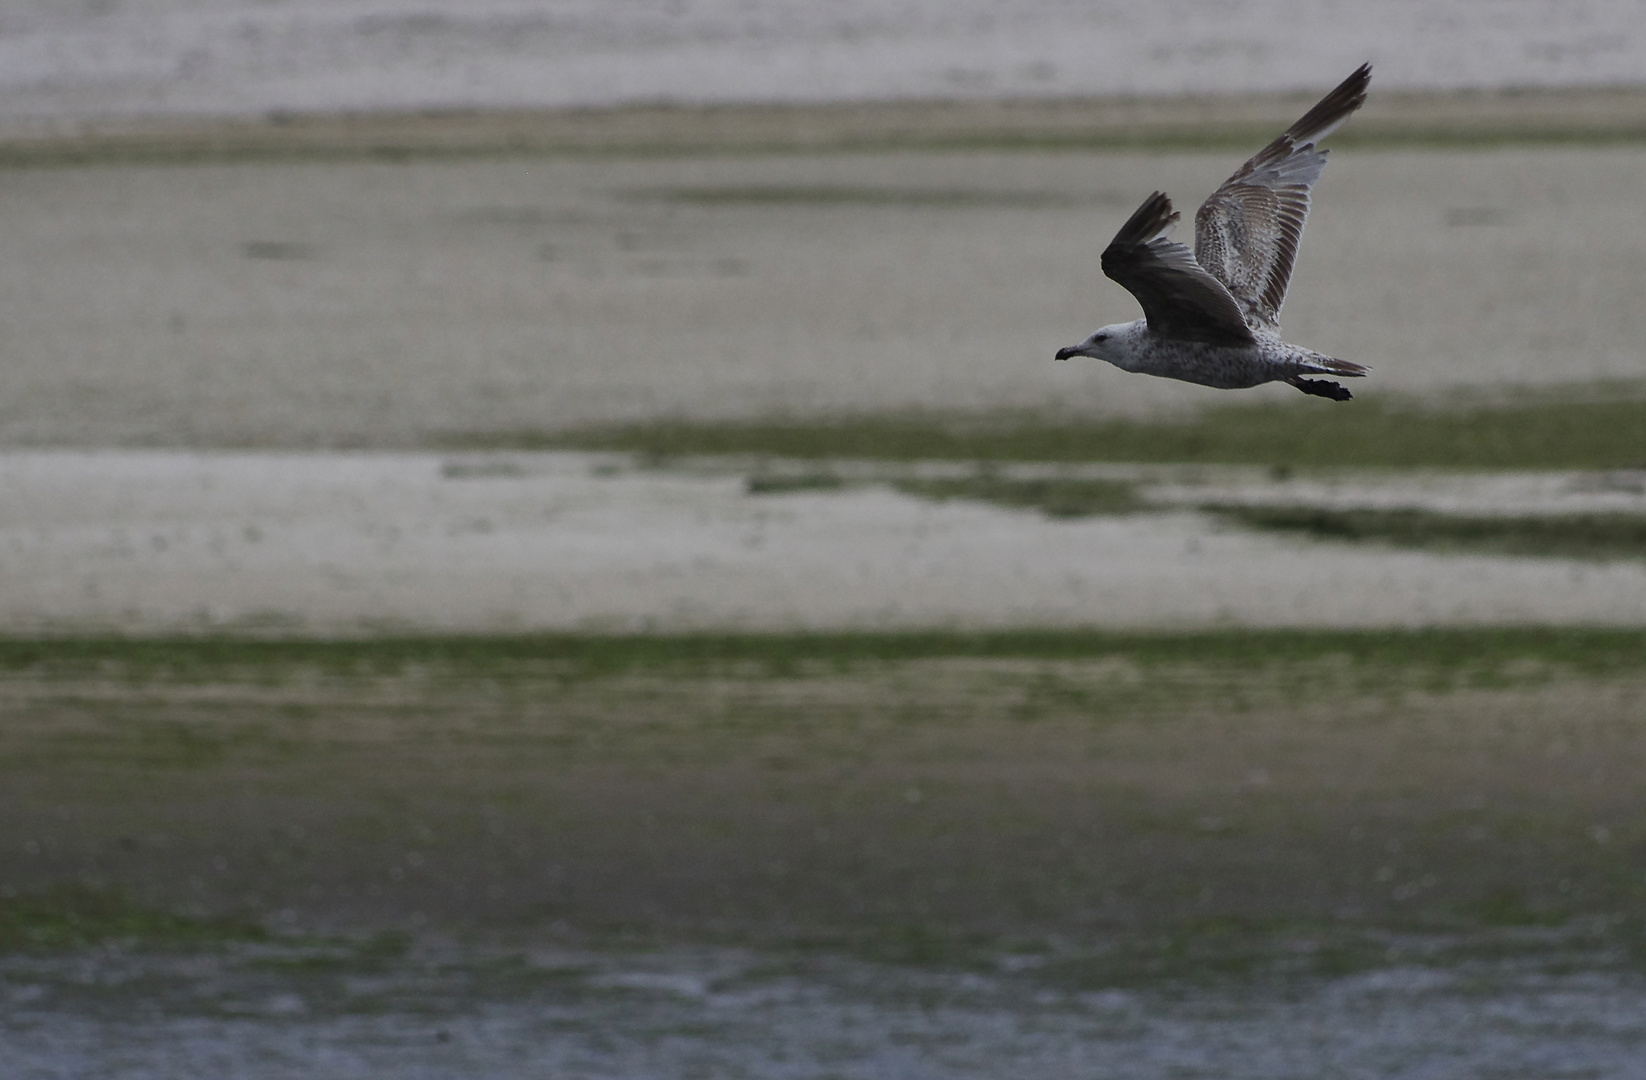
{"x":1106,"y":344}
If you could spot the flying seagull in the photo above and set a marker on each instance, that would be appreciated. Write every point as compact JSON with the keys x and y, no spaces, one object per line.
{"x":1212,"y":316}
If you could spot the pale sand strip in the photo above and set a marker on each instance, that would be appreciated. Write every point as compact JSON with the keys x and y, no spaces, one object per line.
{"x":1588,"y":114}
{"x":326,"y":543}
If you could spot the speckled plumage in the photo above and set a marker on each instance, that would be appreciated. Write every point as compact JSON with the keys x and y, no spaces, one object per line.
{"x":1212,"y":316}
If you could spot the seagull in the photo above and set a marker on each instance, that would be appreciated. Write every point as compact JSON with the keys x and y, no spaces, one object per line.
{"x":1212,"y":316}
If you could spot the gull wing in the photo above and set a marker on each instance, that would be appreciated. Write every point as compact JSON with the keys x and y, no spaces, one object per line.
{"x":1246,"y":234}
{"x":1180,"y":300}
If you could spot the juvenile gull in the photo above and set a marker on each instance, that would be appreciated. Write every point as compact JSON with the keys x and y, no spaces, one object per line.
{"x":1212,"y":316}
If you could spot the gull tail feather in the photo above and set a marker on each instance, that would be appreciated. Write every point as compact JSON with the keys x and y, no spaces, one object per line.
{"x":1316,"y":364}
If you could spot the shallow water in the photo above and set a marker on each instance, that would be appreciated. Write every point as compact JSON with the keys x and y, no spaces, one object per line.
{"x":246,"y":56}
{"x":729,"y":1013}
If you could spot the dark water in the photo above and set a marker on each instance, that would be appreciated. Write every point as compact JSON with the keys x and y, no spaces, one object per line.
{"x":271,"y":1012}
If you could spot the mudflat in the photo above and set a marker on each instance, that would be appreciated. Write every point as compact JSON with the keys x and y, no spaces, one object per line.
{"x":301,"y":303}
{"x":783,"y":377}
{"x":1264,"y":853}
{"x":847,"y":789}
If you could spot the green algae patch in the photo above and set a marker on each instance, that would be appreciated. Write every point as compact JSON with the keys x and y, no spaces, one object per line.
{"x":76,"y":916}
{"x":766,"y":484}
{"x":1053,"y":496}
{"x":1602,"y":428}
{"x":1468,"y":653}
{"x":1602,"y":536}
{"x":1056,"y":497}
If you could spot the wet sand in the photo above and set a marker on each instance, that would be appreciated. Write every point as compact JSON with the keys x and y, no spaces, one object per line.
{"x":326,"y":543}
{"x":391,"y":305}
{"x":276,"y":305}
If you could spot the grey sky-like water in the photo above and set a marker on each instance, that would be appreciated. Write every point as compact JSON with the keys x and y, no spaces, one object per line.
{"x":89,"y":57}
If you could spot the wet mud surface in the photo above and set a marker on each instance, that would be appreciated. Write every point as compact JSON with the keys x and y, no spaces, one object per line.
{"x":1121,"y":861}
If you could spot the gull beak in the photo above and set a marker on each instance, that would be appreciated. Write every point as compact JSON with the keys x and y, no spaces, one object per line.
{"x":1065,"y":353}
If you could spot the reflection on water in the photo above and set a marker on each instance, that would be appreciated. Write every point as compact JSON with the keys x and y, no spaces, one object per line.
{"x":433,"y":1013}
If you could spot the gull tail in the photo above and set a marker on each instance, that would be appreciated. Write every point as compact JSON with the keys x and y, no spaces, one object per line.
{"x":1331,"y":365}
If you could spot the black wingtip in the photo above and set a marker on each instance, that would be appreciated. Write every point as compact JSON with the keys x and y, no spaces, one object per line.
{"x":1334,"y":108}
{"x":1151,"y":219}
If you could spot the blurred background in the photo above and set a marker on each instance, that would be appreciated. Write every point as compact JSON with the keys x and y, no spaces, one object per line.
{"x":545,"y":538}
{"x":222,"y":58}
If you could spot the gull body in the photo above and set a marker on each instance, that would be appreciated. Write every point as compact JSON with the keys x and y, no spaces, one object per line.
{"x":1133,"y":347}
{"x":1212,"y":316}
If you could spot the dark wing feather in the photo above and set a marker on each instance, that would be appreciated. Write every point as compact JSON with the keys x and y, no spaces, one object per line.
{"x":1246,"y":234}
{"x":1180,"y":300}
